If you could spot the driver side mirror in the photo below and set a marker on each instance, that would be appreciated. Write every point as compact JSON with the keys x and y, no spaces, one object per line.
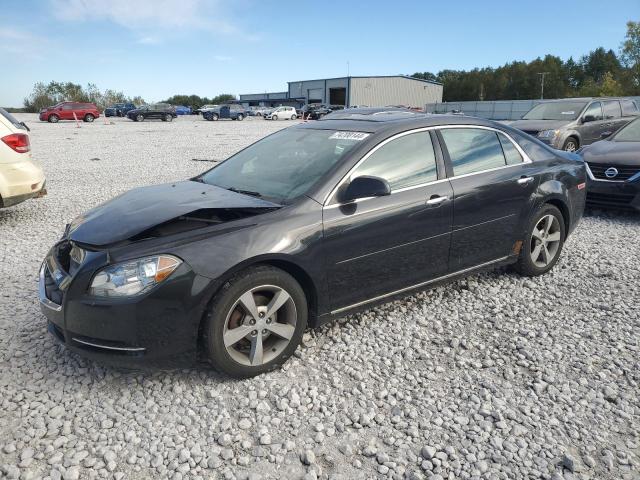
{"x":588,"y":118}
{"x":366,"y":186}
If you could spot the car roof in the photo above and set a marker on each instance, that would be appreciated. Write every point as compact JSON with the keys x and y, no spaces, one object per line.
{"x":391,"y":120}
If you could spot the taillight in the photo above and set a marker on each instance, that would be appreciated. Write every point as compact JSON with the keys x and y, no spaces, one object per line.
{"x":18,"y":142}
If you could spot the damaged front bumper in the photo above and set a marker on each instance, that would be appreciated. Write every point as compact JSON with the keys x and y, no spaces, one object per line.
{"x":159,"y":327}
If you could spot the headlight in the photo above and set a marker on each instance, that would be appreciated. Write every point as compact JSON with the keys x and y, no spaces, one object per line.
{"x":133,"y":277}
{"x":548,"y":133}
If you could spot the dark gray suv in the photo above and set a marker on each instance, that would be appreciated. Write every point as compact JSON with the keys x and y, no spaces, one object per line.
{"x":571,"y":123}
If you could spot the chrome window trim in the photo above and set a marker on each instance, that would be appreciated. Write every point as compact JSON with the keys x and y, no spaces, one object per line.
{"x":330,"y":197}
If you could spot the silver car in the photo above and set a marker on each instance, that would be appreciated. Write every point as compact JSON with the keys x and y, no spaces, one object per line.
{"x":569,"y":124}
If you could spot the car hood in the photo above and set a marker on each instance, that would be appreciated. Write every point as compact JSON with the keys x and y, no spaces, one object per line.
{"x":143,"y":208}
{"x":538,"y":125}
{"x":610,"y":152}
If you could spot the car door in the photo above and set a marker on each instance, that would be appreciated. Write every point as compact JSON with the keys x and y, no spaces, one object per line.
{"x":593,"y":124}
{"x":379,"y":245}
{"x":612,"y":113}
{"x":492,"y":183}
{"x":66,"y":113}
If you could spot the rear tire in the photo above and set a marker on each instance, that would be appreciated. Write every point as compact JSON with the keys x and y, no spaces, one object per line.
{"x":260,"y":350}
{"x":53,"y":119}
{"x":570,"y":145}
{"x":89,"y":118}
{"x":293,"y":117}
{"x":168,"y":118}
{"x":543,"y":242}
{"x":240,"y":117}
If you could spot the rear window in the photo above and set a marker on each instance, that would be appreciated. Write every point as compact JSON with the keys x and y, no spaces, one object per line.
{"x":12,"y":120}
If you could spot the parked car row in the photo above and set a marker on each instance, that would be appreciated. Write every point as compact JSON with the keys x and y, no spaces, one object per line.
{"x":569,"y":124}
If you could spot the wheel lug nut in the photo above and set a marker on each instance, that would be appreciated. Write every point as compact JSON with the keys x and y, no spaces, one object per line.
{"x":252,"y":321}
{"x":264,"y":331}
{"x":261,"y":314}
{"x":268,"y":320}
{"x":254,"y":333}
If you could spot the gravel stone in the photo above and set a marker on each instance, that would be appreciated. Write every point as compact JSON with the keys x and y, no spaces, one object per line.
{"x":491,"y":377}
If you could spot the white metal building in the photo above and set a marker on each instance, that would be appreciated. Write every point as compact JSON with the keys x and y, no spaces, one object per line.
{"x":376,"y":91}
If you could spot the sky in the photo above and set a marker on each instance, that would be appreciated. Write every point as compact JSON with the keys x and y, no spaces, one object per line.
{"x":157,"y":48}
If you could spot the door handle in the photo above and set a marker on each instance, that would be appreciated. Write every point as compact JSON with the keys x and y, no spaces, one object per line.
{"x":436,"y":200}
{"x":525,"y":180}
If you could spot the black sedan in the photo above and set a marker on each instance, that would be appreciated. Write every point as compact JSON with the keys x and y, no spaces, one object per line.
{"x":305,"y":225}
{"x":614,"y":169}
{"x":158,"y":111}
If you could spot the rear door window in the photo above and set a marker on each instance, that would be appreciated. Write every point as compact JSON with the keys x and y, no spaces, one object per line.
{"x":11,"y":119}
{"x":473,"y":150}
{"x":611,"y":109}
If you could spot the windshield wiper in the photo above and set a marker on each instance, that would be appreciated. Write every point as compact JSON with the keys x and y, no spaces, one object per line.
{"x":245,"y":192}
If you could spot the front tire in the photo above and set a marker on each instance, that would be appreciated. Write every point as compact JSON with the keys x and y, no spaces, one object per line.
{"x":570,"y":145}
{"x":140,"y":118}
{"x":240,"y":117}
{"x":256,"y":322}
{"x":168,"y":118}
{"x":543,"y":243}
{"x":53,"y":119}
{"x":274,"y":117}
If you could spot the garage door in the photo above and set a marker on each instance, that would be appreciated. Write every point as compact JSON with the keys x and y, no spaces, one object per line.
{"x":314,"y":95}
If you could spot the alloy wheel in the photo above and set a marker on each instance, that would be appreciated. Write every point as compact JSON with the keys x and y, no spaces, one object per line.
{"x":545,"y":241}
{"x":260,"y":325}
{"x":570,"y":146}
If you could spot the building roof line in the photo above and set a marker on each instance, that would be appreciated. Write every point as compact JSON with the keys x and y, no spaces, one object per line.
{"x":407,"y":77}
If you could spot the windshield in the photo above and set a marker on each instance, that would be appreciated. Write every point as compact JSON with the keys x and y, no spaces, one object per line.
{"x":284,"y":165}
{"x":555,"y":111}
{"x":629,"y":133}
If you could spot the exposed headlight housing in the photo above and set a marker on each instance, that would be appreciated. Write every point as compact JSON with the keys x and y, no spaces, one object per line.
{"x":133,"y":277}
{"x":548,"y":133}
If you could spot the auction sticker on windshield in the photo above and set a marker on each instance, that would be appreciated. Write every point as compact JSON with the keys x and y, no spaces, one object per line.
{"x":357,"y":136}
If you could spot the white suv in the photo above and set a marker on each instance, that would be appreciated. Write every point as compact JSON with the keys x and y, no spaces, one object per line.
{"x":282,"y":113}
{"x":20,"y":177}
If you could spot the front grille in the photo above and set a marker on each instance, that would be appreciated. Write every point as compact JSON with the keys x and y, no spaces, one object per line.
{"x":624,"y":172}
{"x":610,"y":199}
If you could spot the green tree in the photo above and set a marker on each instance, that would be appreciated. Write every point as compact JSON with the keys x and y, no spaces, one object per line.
{"x":630,"y":54}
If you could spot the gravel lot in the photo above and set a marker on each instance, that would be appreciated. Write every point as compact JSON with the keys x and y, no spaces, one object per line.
{"x":492,"y":377}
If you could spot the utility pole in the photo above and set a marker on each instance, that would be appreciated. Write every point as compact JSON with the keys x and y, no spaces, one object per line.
{"x":542,"y":74}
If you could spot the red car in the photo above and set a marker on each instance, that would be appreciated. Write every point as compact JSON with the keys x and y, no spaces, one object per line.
{"x":86,"y":112}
